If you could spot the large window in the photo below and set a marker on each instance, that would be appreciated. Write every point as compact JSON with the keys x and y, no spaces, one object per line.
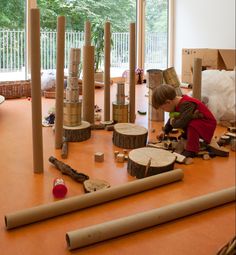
{"x":156,"y":36}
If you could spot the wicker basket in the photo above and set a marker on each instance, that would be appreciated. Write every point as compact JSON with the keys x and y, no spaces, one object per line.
{"x":15,"y":89}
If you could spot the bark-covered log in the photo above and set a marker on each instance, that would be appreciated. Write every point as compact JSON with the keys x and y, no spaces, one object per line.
{"x":79,"y":133}
{"x":67,"y":170}
{"x":129,"y":136}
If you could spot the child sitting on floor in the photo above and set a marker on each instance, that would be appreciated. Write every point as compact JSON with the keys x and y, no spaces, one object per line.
{"x":193,"y":117}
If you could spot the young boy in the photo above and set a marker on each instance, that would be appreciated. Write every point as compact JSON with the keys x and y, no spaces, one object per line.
{"x":186,"y":113}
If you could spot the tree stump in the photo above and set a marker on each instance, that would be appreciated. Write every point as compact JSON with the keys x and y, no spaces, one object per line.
{"x":79,"y":133}
{"x":129,"y":136}
{"x":148,"y":161}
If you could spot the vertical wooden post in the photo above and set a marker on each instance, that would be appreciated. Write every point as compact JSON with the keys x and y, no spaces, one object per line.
{"x":36,"y":91}
{"x":132,"y":56}
{"x":88,"y":77}
{"x":107,"y":63}
{"x":197,"y":78}
{"x":60,"y":81}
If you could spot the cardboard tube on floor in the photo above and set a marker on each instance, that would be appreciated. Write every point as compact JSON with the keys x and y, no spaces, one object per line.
{"x":60,"y":81}
{"x":197,"y":78}
{"x":42,"y":212}
{"x":93,"y":234}
{"x":36,"y":91}
{"x":132,"y":56}
{"x":107,"y":52}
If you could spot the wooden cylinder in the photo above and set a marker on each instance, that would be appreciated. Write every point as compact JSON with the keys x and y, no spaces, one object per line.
{"x":104,"y":231}
{"x":154,"y":114}
{"x":88,"y":84}
{"x":154,"y":78}
{"x":129,"y":136}
{"x":148,"y":161}
{"x":171,"y":78}
{"x":87,"y":34}
{"x":77,"y":133}
{"x":36,"y":91}
{"x":120,"y":96}
{"x":56,"y":208}
{"x":74,"y":62}
{"x":120,"y":112}
{"x":132,"y":62}
{"x":72,"y":114}
{"x":107,"y":63}
{"x":197,"y":78}
{"x":60,"y":81}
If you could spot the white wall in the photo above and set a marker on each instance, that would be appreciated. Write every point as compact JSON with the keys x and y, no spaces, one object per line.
{"x":203,"y":24}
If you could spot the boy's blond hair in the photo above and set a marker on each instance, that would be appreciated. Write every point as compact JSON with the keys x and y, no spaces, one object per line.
{"x":161,"y":94}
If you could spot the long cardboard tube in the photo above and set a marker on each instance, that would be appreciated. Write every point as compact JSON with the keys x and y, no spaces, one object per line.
{"x":42,"y":212}
{"x":107,"y":62}
{"x":60,"y":81}
{"x":197,"y":78}
{"x":88,"y":84}
{"x":36,"y":91}
{"x":87,"y":33}
{"x":132,"y":56}
{"x":93,"y":234}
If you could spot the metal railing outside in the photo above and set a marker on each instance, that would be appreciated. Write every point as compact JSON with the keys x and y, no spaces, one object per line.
{"x":12,"y":49}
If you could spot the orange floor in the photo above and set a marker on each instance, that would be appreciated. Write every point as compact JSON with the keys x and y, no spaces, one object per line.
{"x":20,"y":188}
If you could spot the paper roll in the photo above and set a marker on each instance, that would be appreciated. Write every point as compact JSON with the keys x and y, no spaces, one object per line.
{"x":60,"y":81}
{"x":36,"y":91}
{"x":88,"y":84}
{"x":197,"y":78}
{"x":107,"y":63}
{"x":42,"y":212}
{"x":87,"y":33}
{"x":93,"y":234}
{"x":132,"y":56}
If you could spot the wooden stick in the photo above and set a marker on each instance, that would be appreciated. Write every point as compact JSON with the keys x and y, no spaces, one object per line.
{"x":36,"y":91}
{"x":107,"y":63}
{"x":64,"y":149}
{"x":87,"y":33}
{"x":104,"y":231}
{"x":60,"y":81}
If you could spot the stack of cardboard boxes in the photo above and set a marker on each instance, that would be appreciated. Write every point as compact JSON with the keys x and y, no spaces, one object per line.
{"x":220,"y":59}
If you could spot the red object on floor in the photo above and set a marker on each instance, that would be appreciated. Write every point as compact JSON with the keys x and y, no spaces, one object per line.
{"x":59,"y":188}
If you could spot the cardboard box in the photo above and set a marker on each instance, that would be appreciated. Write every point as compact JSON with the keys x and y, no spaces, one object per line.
{"x":221,"y":59}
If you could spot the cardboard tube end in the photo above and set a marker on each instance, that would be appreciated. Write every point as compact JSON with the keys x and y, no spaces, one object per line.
{"x":68,"y":241}
{"x":5,"y":218}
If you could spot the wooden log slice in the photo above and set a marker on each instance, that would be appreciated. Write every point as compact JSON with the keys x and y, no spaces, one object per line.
{"x":79,"y":133}
{"x":92,"y":185}
{"x":148,"y":161}
{"x":129,"y":135}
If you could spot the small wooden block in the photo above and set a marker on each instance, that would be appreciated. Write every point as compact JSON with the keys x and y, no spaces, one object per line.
{"x":232,"y":129}
{"x":120,"y":158}
{"x":116,"y":153}
{"x":93,"y":185}
{"x":218,"y":150}
{"x":99,"y":156}
{"x":179,"y":158}
{"x":125,"y":152}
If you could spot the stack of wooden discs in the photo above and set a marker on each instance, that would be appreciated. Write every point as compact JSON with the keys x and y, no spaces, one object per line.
{"x":146,"y":161}
{"x":72,"y":105}
{"x":75,"y":130}
{"x":129,"y":135}
{"x":120,"y":107}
